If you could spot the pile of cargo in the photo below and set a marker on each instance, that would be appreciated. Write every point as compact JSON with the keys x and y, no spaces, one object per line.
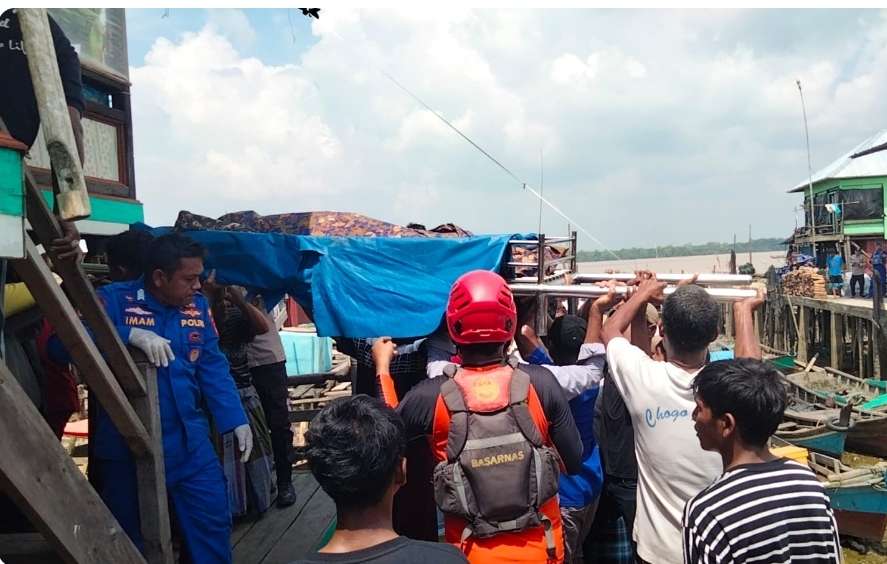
{"x":805,"y":281}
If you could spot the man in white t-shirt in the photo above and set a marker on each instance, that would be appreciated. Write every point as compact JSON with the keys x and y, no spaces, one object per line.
{"x":659,"y":397}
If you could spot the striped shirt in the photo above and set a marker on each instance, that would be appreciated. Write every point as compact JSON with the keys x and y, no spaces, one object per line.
{"x":770,"y":512}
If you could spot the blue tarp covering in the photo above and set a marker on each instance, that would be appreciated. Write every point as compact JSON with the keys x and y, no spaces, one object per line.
{"x":353,"y":286}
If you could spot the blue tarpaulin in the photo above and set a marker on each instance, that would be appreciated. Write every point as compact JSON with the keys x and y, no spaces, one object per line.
{"x":353,"y":286}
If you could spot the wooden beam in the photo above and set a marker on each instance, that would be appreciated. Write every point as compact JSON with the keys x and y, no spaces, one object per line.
{"x":860,"y":350}
{"x":95,"y":371}
{"x":881,"y":342}
{"x":82,"y":294}
{"x":48,"y":487}
{"x":836,"y":340}
{"x":802,"y":333}
{"x":55,"y":120}
{"x":150,"y":473}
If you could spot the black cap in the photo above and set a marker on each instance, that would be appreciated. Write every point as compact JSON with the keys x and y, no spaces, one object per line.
{"x":566,"y":336}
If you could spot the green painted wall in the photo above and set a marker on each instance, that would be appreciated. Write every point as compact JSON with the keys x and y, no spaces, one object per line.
{"x":856,"y":227}
{"x":110,"y":210}
{"x":11,"y":183}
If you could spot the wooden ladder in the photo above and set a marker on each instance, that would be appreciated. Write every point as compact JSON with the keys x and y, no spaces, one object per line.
{"x":35,"y":471}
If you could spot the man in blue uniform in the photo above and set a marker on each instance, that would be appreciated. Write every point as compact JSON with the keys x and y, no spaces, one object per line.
{"x":163,"y":314}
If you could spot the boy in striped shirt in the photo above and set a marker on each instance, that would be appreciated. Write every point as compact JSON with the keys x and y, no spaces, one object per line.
{"x":763,"y":508}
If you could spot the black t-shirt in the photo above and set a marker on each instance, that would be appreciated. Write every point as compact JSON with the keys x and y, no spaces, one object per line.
{"x":18,"y":107}
{"x":398,"y":551}
{"x":417,"y":411}
{"x":614,"y":433}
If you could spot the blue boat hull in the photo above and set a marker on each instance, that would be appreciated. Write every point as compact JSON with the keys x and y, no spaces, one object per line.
{"x":828,"y":442}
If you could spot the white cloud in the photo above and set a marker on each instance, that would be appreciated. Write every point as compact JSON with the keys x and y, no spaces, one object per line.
{"x":655,"y":126}
{"x":233,"y":24}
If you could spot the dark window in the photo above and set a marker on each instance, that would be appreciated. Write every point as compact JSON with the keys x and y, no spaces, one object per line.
{"x":863,"y":203}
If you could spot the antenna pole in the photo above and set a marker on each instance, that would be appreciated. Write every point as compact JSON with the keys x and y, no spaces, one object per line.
{"x":809,"y":172}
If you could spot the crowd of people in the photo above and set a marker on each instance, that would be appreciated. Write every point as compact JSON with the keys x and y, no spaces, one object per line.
{"x":615,"y":438}
{"x":867,"y":271}
{"x":549,"y":451}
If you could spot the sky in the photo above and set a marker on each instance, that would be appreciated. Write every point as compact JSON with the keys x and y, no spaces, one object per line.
{"x":644,"y":127}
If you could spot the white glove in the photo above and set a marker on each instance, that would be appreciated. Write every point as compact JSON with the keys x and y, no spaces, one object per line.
{"x":153,"y":345}
{"x":244,"y":440}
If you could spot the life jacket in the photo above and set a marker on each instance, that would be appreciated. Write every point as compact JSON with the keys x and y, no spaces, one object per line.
{"x":497,"y":474}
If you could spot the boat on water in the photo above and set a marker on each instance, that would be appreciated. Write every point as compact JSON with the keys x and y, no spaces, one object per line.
{"x":858,"y":495}
{"x":802,"y":428}
{"x":841,"y":388}
{"x":811,"y":387}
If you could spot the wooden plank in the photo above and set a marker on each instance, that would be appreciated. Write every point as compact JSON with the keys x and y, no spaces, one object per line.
{"x":93,"y":369}
{"x":264,"y":534}
{"x":55,"y":121}
{"x":241,"y":529}
{"x":845,"y":306}
{"x":301,"y":390}
{"x":306,"y":532}
{"x":46,"y":485}
{"x":27,"y":548}
{"x":150,"y":473}
{"x":860,"y":350}
{"x":836,"y":340}
{"x":82,"y":294}
{"x":802,"y":333}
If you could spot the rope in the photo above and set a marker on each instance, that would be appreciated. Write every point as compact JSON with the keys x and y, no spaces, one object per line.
{"x":504,"y":168}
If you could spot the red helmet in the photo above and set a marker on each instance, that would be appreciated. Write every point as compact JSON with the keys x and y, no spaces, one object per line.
{"x":481,"y":309}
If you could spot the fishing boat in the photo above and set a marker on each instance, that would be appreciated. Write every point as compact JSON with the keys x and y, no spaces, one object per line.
{"x":868,"y":432}
{"x":858,"y":495}
{"x":801,"y":428}
{"x":841,"y":388}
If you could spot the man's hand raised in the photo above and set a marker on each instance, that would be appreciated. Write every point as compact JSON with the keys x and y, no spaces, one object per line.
{"x":384,"y":351}
{"x":652,"y":290}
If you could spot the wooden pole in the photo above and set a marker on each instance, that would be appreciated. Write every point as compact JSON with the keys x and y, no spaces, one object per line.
{"x":836,"y":338}
{"x":73,"y":200}
{"x":82,"y":294}
{"x":801,"y":327}
{"x":150,"y":472}
{"x":860,"y":350}
{"x":93,"y":368}
{"x":47,"y":486}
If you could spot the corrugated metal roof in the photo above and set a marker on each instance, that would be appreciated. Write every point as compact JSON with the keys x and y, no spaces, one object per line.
{"x":871,"y":164}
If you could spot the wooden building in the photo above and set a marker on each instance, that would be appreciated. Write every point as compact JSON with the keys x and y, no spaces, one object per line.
{"x":848,"y":201}
{"x":99,"y":36}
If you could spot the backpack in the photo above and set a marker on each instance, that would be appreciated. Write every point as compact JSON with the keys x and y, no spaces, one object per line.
{"x":498,"y":472}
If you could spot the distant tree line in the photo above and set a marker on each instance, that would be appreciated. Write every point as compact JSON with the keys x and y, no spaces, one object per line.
{"x":687,"y":250}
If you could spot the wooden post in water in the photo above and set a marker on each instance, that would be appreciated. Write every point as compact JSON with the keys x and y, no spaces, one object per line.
{"x":860,"y":348}
{"x":836,"y":340}
{"x":802,"y":333}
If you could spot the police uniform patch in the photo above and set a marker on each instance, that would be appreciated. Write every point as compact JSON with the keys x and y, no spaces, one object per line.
{"x":195,"y":337}
{"x":137,"y":310}
{"x":194,"y":355}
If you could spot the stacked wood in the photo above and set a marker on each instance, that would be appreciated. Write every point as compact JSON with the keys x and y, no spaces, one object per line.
{"x":805,"y":281}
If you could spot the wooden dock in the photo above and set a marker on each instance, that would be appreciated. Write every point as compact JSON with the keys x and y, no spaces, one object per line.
{"x":844,"y":333}
{"x":283,"y":535}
